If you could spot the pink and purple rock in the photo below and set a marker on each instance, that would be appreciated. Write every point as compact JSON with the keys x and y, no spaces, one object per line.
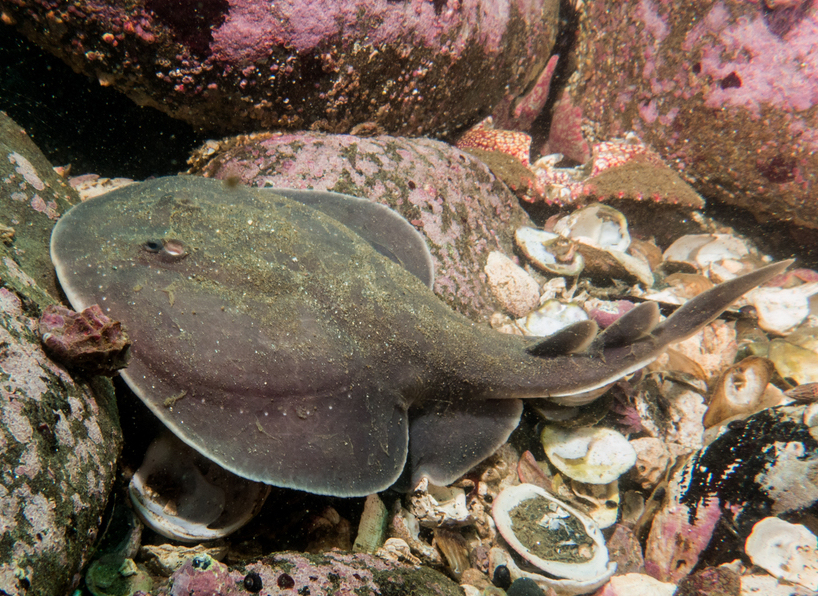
{"x":203,"y":576}
{"x":421,"y":67}
{"x":725,"y":90}
{"x":331,"y":573}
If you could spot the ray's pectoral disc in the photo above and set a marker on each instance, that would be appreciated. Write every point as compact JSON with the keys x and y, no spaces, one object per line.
{"x":255,"y":322}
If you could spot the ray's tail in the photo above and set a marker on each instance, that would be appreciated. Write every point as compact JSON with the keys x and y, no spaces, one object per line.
{"x":635,"y":339}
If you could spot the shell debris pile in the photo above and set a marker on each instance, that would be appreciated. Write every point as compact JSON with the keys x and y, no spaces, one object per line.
{"x":761,"y":357}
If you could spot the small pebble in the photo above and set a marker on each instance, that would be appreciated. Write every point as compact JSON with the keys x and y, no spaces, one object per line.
{"x":252,"y":582}
{"x":285,"y":581}
{"x":511,"y":285}
{"x":713,"y":581}
{"x":502,"y":577}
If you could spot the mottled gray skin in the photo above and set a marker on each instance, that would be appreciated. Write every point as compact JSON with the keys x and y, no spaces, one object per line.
{"x":59,"y":434}
{"x":451,"y":197}
{"x":283,"y":347}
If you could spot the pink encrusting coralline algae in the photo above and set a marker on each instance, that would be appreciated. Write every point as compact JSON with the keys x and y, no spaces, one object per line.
{"x":724,"y":90}
{"x":412,"y":68}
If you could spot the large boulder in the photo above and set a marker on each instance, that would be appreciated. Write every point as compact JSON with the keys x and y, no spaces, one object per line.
{"x":415,"y":67}
{"x":59,"y":432}
{"x":725,"y":90}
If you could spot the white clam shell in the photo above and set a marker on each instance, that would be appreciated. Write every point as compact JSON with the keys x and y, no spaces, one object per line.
{"x":700,"y":250}
{"x":183,"y":496}
{"x":595,"y":455}
{"x":780,"y":310}
{"x":787,"y":551}
{"x":591,"y":571}
{"x":552,"y":316}
{"x":599,"y":225}
{"x":562,"y":587}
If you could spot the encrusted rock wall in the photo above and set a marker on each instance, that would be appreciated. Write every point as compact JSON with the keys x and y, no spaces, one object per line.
{"x":415,"y":67}
{"x":59,"y":433}
{"x":725,"y":90}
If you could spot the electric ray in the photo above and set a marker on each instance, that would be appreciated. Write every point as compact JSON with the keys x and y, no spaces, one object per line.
{"x":277,"y":342}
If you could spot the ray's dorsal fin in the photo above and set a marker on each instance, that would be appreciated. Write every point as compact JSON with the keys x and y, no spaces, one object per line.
{"x":569,"y":340}
{"x":699,"y":311}
{"x":630,"y":327}
{"x":383,"y":228}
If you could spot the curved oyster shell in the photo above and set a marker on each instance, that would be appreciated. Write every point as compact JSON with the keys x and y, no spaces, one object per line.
{"x":740,"y":391}
{"x":550,"y":252}
{"x":551,"y":535}
{"x":781,"y":310}
{"x":599,"y":225}
{"x":184,"y":496}
{"x":603,"y":237}
{"x":701,"y":250}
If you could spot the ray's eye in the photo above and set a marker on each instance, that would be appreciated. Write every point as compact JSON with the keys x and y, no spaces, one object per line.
{"x":168,"y":250}
{"x":174,"y":248}
{"x":153,"y":245}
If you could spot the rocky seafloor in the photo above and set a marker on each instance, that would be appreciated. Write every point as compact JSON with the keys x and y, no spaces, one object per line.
{"x":694,"y":475}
